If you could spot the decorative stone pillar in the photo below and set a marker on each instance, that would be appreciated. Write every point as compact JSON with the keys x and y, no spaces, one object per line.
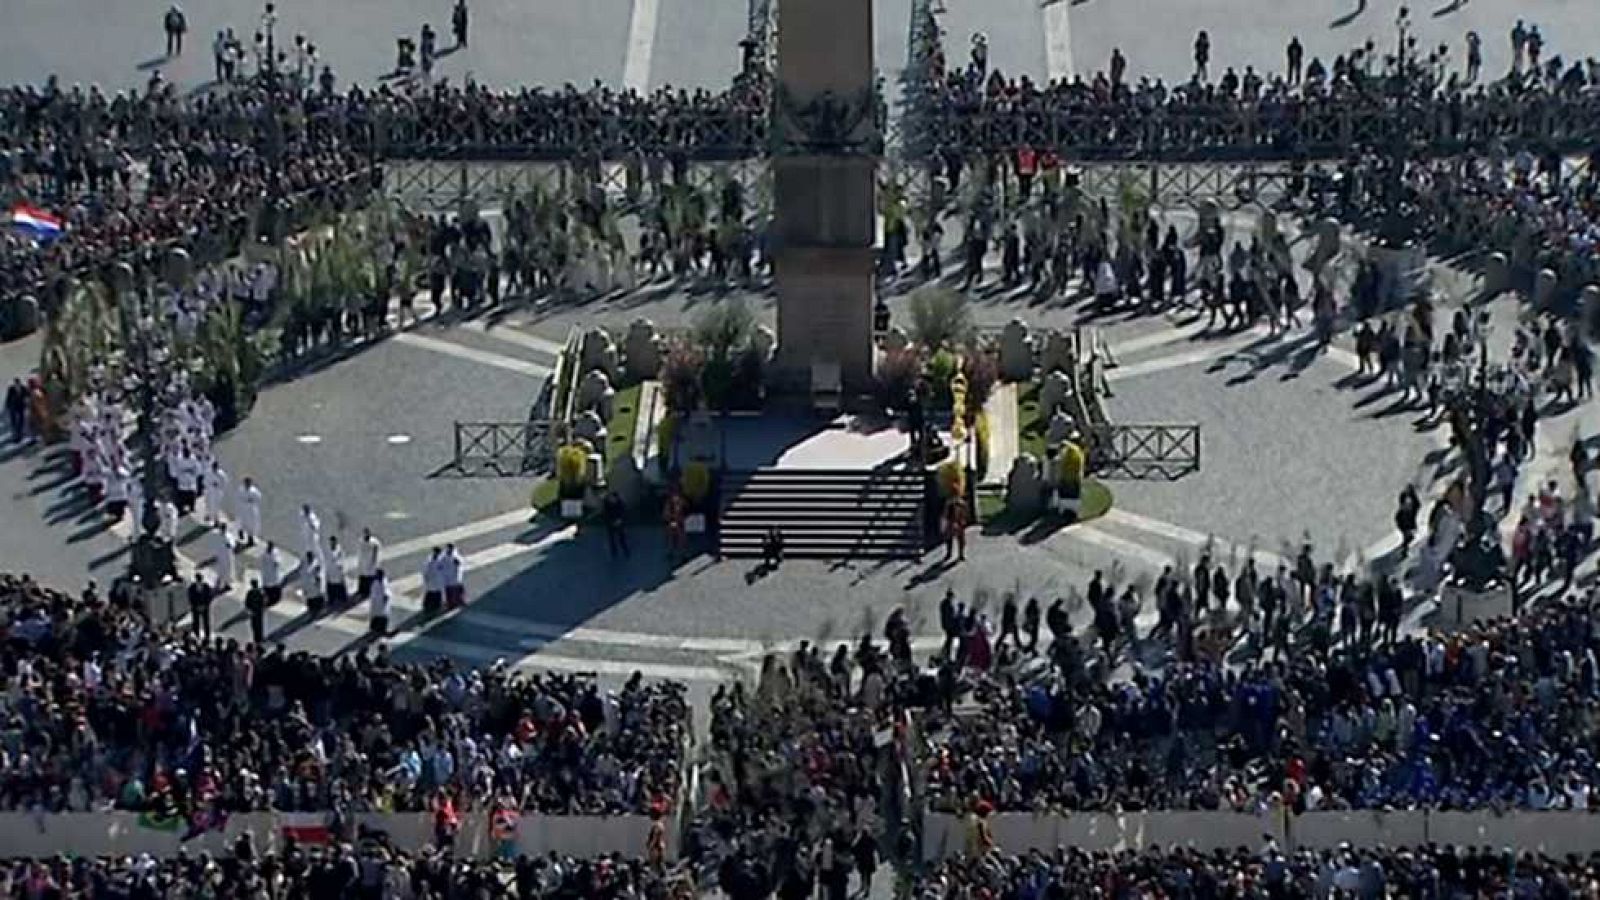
{"x":1544,"y":289}
{"x":1496,"y":274}
{"x":1590,"y":310}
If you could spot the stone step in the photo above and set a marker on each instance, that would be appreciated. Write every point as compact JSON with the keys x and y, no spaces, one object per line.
{"x":825,"y":513}
{"x":769,"y":513}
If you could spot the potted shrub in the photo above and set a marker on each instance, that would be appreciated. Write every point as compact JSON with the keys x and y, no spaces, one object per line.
{"x":942,"y":368}
{"x":696,"y":484}
{"x":572,"y":470}
{"x":749,"y":381}
{"x":1069,"y":487}
{"x":897,"y":377}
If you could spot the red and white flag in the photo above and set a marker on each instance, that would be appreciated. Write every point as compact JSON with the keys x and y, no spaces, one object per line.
{"x":305,"y":828}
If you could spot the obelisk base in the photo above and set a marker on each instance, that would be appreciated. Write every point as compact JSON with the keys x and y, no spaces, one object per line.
{"x":824,"y":315}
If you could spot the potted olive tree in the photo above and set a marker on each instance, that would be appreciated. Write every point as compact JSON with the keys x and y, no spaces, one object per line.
{"x":1069,"y":488}
{"x":696,"y":485}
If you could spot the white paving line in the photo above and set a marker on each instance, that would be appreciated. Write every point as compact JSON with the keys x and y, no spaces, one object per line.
{"x":1058,"y":39}
{"x":480,"y":654}
{"x":483,"y":357}
{"x":517,"y":337}
{"x":455,"y":535}
{"x":1165,"y":336}
{"x":1174,"y":361}
{"x":1088,"y":533}
{"x":1190,"y":537}
{"x":641,"y":45}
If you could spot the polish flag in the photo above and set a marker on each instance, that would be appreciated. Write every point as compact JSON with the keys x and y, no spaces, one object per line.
{"x":305,"y":828}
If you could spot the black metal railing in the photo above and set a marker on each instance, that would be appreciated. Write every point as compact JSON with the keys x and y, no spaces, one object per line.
{"x":502,"y":449}
{"x":1146,"y":451}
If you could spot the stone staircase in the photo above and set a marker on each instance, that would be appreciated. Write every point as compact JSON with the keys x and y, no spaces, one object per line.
{"x":825,"y":513}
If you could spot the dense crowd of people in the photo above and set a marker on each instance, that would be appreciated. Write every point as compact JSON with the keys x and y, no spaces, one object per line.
{"x":105,"y":710}
{"x":1536,"y":208}
{"x":1369,"y":873}
{"x":798,"y":790}
{"x":1367,"y":95}
{"x":372,"y":870}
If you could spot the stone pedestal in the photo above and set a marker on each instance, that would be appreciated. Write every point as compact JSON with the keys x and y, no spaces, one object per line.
{"x":1496,"y":274}
{"x":824,"y":314}
{"x":824,"y":183}
{"x":1459,"y":607}
{"x":1544,"y":290}
{"x":1402,"y":274}
{"x":1591,"y":312}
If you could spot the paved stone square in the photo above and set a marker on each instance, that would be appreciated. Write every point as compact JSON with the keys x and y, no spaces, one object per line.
{"x":1290,"y":443}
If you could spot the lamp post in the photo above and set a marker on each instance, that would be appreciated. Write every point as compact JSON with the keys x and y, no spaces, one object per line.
{"x":152,"y":560}
{"x":1396,"y":229}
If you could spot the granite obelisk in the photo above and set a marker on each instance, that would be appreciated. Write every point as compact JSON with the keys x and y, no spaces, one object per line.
{"x":826,"y":144}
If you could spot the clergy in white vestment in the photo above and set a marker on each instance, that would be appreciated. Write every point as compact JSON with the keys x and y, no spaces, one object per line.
{"x":222,"y":557}
{"x":272,"y":574}
{"x":378,"y":598}
{"x":310,"y":532}
{"x":334,"y":565}
{"x":367,"y":564}
{"x":249,"y":512}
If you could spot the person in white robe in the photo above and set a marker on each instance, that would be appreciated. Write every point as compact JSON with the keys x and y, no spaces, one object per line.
{"x":313,"y":589}
{"x":168,"y":513}
{"x":367,"y":564}
{"x":222,"y":558}
{"x":334,"y":565}
{"x":217,"y":492}
{"x":249,"y":509}
{"x":310,"y":532}
{"x":455,"y":577}
{"x":271,"y":574}
{"x":378,"y":598}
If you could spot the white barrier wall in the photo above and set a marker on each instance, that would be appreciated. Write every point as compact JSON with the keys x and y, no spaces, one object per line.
{"x":1555,"y":833}
{"x":1327,"y":830}
{"x":101,"y":834}
{"x":944,"y":835}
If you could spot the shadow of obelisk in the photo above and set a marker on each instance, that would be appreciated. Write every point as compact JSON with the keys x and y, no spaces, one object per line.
{"x":825,"y":155}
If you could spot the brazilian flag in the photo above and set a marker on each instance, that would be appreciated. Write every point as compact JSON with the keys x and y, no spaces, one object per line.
{"x":160,"y":821}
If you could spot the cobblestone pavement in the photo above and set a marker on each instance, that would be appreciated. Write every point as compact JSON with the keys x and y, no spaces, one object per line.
{"x":1289,"y":437}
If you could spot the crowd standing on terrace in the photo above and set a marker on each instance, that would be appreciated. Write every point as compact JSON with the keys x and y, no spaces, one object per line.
{"x":103,"y":710}
{"x":1287,"y":686}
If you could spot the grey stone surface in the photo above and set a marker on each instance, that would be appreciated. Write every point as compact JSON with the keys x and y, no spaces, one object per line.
{"x":598,"y":351}
{"x":1026,"y":486}
{"x":1016,"y":351}
{"x":1053,"y":392}
{"x":1057,"y":353}
{"x":1062,"y":427}
{"x":1544,"y":288}
{"x":595,"y":393}
{"x":642,"y":349}
{"x":589,"y":427}
{"x":1496,"y":274}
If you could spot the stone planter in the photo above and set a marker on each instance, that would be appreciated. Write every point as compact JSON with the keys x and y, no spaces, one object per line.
{"x":694,"y":523}
{"x":571,"y":510}
{"x":1063,"y":506}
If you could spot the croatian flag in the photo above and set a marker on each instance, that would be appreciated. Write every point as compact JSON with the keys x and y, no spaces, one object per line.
{"x":36,"y":222}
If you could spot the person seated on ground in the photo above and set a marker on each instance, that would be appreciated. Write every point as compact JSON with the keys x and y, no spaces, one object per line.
{"x":772,"y":547}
